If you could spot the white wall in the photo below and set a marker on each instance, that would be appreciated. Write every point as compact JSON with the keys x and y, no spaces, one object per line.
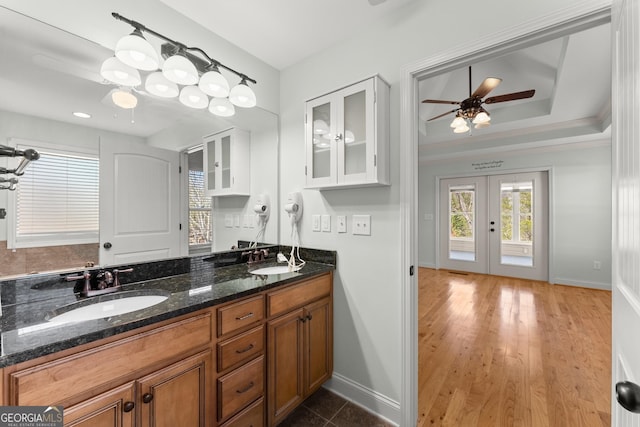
{"x":367,"y":312}
{"x":580,"y":196}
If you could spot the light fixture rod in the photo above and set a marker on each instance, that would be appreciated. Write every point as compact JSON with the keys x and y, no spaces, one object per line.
{"x":212,"y":61}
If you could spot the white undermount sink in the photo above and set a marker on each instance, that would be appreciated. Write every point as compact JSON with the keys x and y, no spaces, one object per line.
{"x":101,"y":308}
{"x":278,"y":269}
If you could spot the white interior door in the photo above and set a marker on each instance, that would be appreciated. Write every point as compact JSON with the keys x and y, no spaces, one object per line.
{"x":139,"y":203}
{"x":626,"y":205}
{"x":463,"y":224}
{"x":518,"y":230}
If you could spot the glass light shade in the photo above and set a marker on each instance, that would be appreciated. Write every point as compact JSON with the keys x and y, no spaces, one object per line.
{"x":179,"y":69}
{"x":349,"y":137}
{"x":221,"y":107}
{"x":119,"y":73}
{"x":242,"y":95}
{"x":124,"y":99}
{"x":457,"y":122}
{"x":193,"y":97}
{"x":158,"y":85}
{"x":213,"y":83}
{"x":135,"y":51}
{"x":482,"y":125}
{"x":461,"y":129}
{"x":320,"y":127}
{"x":481,"y":117}
{"x":322,"y":143}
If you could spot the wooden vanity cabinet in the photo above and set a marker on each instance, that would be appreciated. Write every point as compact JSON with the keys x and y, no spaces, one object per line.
{"x":114,"y":408}
{"x":299,"y":343}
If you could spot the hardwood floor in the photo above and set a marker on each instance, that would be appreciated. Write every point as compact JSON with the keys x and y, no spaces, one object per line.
{"x":497,"y":351}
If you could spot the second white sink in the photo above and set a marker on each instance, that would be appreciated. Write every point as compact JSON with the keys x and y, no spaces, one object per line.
{"x":278,"y":269}
{"x":101,"y":309}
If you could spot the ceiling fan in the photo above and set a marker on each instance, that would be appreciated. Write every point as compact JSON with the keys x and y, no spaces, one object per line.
{"x":471,"y":109}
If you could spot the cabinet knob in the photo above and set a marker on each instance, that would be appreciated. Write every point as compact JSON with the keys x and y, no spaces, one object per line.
{"x":216,"y":164}
{"x":309,"y":317}
{"x":147,"y":397}
{"x":128,"y":406}
{"x":302,"y":319}
{"x":338,"y":137}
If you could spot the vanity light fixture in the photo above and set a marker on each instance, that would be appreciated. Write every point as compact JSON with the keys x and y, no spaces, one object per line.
{"x":184,"y":65}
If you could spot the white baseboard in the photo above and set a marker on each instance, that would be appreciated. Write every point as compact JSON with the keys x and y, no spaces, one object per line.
{"x":364,"y":397}
{"x":582,"y":284}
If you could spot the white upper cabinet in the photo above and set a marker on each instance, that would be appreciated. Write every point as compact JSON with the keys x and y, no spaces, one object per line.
{"x":227,"y":163}
{"x":347,"y":136}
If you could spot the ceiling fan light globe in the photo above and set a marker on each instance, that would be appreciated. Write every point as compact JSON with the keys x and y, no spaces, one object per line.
{"x":193,"y":97}
{"x":458,"y":122}
{"x":135,"y":51}
{"x":482,"y":125}
{"x":124,"y":99}
{"x":214,"y":84}
{"x":461,"y":129}
{"x":481,"y":118}
{"x":119,"y":73}
{"x":157,"y":84}
{"x":180,"y":70}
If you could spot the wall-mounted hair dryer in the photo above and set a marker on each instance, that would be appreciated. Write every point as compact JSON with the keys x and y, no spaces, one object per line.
{"x":263,"y":207}
{"x":293,"y":206}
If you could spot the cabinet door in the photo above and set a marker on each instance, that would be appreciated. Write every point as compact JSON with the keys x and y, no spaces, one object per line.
{"x":114,"y":408}
{"x":320,"y":141}
{"x":355,"y":137}
{"x":318,"y":346}
{"x":285,"y":372}
{"x":177,"y":395}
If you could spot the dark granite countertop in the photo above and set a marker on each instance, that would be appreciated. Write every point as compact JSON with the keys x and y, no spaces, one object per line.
{"x":27,"y":334}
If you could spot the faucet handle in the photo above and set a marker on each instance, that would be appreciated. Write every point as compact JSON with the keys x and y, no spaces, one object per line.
{"x":116,"y":272}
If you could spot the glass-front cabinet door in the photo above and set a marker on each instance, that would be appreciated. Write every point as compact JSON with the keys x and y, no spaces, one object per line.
{"x":347,"y":136}
{"x":228,"y":163}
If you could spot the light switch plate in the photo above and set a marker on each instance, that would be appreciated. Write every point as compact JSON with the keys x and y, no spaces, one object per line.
{"x":228,"y":220}
{"x":341,"y":223}
{"x":362,"y":225}
{"x":326,"y":223}
{"x":315,"y":222}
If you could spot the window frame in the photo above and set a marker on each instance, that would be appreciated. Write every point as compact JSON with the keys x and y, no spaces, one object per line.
{"x":14,"y":241}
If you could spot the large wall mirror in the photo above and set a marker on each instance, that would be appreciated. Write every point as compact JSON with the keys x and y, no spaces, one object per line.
{"x":48,"y":74}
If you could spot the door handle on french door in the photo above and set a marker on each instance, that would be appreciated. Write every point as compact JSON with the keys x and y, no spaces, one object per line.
{"x":492,"y":229}
{"x":628,"y":396}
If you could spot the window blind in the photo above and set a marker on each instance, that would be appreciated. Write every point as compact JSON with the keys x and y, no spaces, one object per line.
{"x":58,"y":201}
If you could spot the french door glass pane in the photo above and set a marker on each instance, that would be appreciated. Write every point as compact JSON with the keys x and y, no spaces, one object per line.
{"x":355,"y":147}
{"x":321,"y":140}
{"x":462,"y":244}
{"x":516,"y":223}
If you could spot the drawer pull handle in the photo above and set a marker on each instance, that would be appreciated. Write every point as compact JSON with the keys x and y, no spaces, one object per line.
{"x":147,"y":397}
{"x":309,"y":317}
{"x":246,"y":389}
{"x":246,"y":316}
{"x":128,"y":406}
{"x":244,"y":350}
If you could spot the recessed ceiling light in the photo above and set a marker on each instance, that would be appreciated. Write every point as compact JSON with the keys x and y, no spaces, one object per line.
{"x":82,"y":115}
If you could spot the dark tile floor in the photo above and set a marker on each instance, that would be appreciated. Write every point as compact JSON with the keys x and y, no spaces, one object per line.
{"x":326,"y":409}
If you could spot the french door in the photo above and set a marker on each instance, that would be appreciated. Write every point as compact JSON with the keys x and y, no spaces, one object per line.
{"x":496,"y":224}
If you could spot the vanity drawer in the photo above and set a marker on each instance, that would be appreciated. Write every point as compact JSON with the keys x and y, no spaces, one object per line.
{"x":240,"y":387}
{"x":240,"y":348}
{"x":252,"y":416}
{"x":236,"y":316}
{"x":101,"y":366}
{"x":296,"y":296}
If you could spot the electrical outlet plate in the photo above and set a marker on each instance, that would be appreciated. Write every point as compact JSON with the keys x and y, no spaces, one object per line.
{"x":315,"y":222}
{"x":362,"y":225}
{"x":326,"y":223}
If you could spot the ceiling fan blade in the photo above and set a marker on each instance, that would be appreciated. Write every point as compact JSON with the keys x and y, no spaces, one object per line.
{"x":440,"y":101}
{"x":442,"y":115}
{"x":510,"y":96}
{"x":486,"y":86}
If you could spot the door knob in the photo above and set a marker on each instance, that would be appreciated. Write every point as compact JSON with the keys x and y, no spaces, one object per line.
{"x":628,"y":396}
{"x":107,"y":245}
{"x":492,"y":230}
